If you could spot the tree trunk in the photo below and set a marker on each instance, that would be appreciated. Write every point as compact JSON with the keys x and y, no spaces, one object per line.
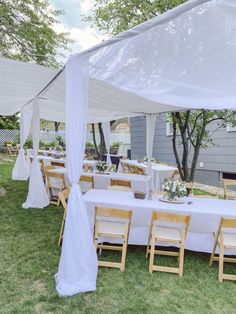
{"x":94,"y":140}
{"x":102,"y":141}
{"x":56,"y":125}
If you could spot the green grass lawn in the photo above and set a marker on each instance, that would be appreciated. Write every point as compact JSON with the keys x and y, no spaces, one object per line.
{"x":29,"y":258}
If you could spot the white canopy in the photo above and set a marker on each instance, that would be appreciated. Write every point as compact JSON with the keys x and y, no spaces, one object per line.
{"x":184,"y":59}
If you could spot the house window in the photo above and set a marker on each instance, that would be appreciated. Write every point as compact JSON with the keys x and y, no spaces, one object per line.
{"x":231,"y":128}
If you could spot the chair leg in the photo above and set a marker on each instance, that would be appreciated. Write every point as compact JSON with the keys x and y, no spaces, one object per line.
{"x":61,"y":231}
{"x":181,"y":259}
{"x":123,"y":257}
{"x":148,"y":245}
{"x":213,"y":253}
{"x":221,"y":259}
{"x":152,"y":253}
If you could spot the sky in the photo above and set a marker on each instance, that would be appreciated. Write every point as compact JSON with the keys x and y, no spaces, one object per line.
{"x":83,"y":35}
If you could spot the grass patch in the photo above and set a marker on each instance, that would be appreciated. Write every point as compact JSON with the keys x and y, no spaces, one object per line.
{"x":201,"y":192}
{"x":29,"y":258}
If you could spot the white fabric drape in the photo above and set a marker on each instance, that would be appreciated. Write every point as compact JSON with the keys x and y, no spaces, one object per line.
{"x":37,"y":195}
{"x":77,"y":271}
{"x":106,"y":132}
{"x":150,"y":130}
{"x":21,"y":170}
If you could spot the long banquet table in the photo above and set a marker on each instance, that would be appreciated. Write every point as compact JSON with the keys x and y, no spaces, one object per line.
{"x":101,"y":181}
{"x":205,"y":215}
{"x":160,"y":172}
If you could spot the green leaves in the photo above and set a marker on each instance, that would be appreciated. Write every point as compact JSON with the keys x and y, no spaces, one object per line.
{"x":113,"y":17}
{"x":27,"y":31}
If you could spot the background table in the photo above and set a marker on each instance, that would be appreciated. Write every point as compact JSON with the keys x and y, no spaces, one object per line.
{"x":101,"y":181}
{"x":160,"y":172}
{"x":205,"y":216}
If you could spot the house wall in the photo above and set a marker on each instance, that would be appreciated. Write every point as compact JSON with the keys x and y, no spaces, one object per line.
{"x":221,"y":157}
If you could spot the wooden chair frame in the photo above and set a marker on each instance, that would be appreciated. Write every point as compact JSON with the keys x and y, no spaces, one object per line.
{"x":228,"y":182}
{"x":117,"y":214}
{"x":152,"y":239}
{"x":11,"y":150}
{"x":58,"y":163}
{"x":189,"y":186}
{"x":219,"y":240}
{"x":120,"y":185}
{"x":49,"y":187}
{"x":63,"y":196}
{"x":121,"y":182}
{"x":125,"y":166}
{"x":90,"y":179}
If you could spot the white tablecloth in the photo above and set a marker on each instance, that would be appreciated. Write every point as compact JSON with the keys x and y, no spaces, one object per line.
{"x":160,"y":172}
{"x":101,"y":181}
{"x":205,"y":215}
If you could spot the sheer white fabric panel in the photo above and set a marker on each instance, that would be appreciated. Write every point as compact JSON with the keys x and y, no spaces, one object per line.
{"x":21,"y":170}
{"x":106,"y":132}
{"x":150,"y":132}
{"x":77,"y":271}
{"x":37,"y":195}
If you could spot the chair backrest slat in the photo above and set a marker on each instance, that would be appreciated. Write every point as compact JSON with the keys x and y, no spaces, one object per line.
{"x":121,"y":182}
{"x":113,"y":212}
{"x":171,"y":217}
{"x":228,"y":223}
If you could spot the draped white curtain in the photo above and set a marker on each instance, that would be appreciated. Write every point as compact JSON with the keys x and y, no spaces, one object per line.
{"x":37,"y":195}
{"x":77,"y":271}
{"x":21,"y":170}
{"x":106,"y":132}
{"x":150,"y":130}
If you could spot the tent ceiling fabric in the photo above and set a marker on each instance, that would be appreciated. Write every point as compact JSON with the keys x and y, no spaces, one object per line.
{"x":183,"y":59}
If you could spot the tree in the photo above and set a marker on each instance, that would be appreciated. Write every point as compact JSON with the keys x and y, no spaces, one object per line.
{"x":27,"y":31}
{"x":27,"y":34}
{"x":101,"y":148}
{"x":9,"y":123}
{"x":191,"y":130}
{"x":115,"y":16}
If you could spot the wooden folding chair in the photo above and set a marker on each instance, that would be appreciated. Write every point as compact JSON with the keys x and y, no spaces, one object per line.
{"x":87,"y":180}
{"x":189,"y":187}
{"x":10,"y":150}
{"x":225,"y":240}
{"x":17,"y":148}
{"x":63,"y":197}
{"x":139,"y":170}
{"x":172,"y":229}
{"x":132,"y":168}
{"x":55,"y":183}
{"x":227,"y":183}
{"x":120,"y":185}
{"x":118,"y":229}
{"x":125,"y":166}
{"x":58,"y":163}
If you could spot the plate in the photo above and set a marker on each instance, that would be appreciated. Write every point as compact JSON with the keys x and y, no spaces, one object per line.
{"x":171,"y":201}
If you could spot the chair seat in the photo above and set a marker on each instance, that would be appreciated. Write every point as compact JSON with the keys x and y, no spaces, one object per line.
{"x":109,"y":227}
{"x":229,"y":239}
{"x":166,"y":233}
{"x":118,"y":188}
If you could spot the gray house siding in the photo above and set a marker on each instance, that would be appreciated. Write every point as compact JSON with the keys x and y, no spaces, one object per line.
{"x":212,"y":161}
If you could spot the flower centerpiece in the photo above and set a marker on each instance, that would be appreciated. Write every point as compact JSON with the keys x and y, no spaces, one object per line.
{"x":174,"y":189}
{"x":101,"y":166}
{"x":153,"y":159}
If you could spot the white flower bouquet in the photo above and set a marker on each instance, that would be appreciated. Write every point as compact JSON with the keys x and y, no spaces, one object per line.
{"x":101,"y":166}
{"x":174,"y":188}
